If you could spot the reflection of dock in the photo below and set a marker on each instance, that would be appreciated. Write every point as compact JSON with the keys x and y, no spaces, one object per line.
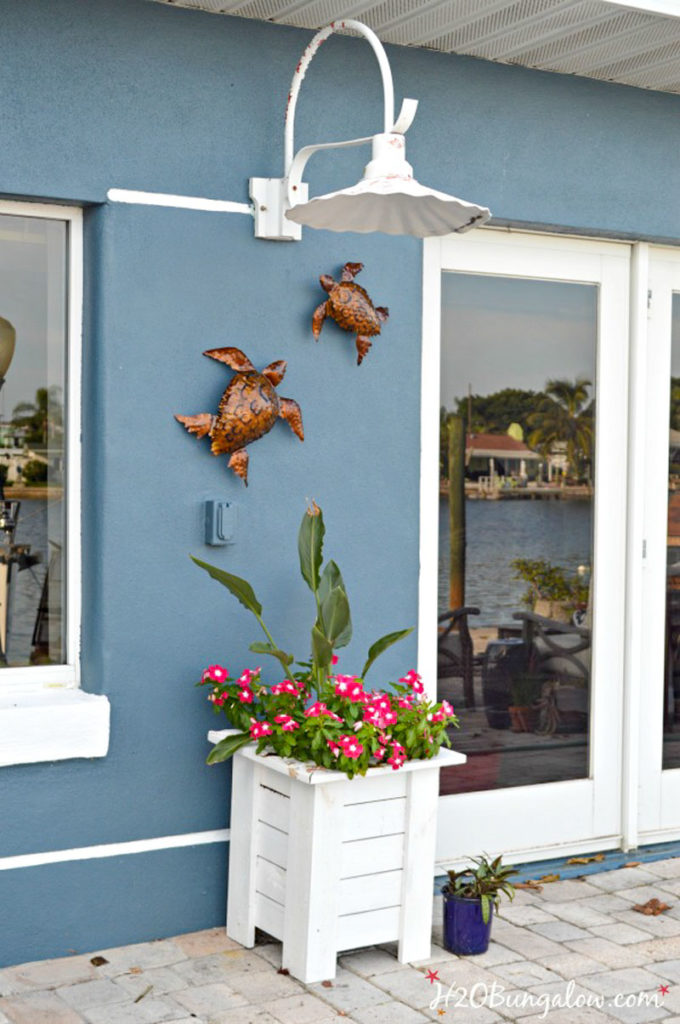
{"x":482,"y":490}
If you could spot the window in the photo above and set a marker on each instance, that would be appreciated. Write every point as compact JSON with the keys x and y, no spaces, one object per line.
{"x":40,"y":579}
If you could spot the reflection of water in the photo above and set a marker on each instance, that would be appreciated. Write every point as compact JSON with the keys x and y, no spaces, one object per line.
{"x":499,"y":531}
{"x":38,"y":521}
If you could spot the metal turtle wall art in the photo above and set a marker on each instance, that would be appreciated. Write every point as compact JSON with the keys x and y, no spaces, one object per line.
{"x":351,"y":308}
{"x":247,"y":411}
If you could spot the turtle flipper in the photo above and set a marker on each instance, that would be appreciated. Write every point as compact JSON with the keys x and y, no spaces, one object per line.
{"x":200,"y":425}
{"x":233,"y":357}
{"x":363,"y":345}
{"x":239,"y":463}
{"x":383,"y":313}
{"x":350,"y":271}
{"x":275,"y":372}
{"x":320,"y":314}
{"x":289,"y":411}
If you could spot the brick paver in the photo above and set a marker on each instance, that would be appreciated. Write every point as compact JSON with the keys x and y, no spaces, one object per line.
{"x":576,"y":953}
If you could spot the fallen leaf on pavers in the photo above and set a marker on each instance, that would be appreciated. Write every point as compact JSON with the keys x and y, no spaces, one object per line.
{"x":632,"y":864}
{"x":144,"y":993}
{"x":652,"y":908}
{"x":586,"y":860}
{"x":549,"y":878}
{"x":327,"y":984}
{"x":531,"y":884}
{"x":283,"y":970}
{"x":135,"y":970}
{"x":98,"y":961}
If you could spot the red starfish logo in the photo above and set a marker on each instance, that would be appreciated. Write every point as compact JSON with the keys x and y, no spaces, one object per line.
{"x":432,"y":976}
{"x":664,"y":989}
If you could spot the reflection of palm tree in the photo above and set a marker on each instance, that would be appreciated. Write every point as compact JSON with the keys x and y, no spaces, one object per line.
{"x":42,"y":417}
{"x":565,"y":415}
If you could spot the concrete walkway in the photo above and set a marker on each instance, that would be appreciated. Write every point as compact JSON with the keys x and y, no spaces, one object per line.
{"x":575,"y":953}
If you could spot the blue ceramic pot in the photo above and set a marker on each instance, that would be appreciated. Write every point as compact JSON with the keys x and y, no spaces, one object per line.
{"x":465,"y":932}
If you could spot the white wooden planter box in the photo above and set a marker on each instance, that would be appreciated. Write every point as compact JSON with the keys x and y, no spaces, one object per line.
{"x":326,"y":864}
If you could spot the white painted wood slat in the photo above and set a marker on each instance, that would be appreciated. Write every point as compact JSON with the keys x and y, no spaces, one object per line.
{"x":273,"y":843}
{"x":273,"y":808}
{"x":269,"y":915}
{"x":362,"y":821}
{"x":389,"y":788}
{"x":270,"y":880}
{"x":356,"y":930}
{"x":381,"y":853}
{"x":370,"y":892}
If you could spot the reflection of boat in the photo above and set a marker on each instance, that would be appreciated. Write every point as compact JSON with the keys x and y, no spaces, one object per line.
{"x":11,"y":555}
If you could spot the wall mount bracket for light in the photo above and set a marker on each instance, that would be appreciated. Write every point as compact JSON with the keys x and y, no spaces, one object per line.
{"x":387,"y":198}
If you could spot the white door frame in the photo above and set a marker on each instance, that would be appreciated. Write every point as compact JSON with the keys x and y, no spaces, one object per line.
{"x":584,"y":814}
{"x":659,"y":791}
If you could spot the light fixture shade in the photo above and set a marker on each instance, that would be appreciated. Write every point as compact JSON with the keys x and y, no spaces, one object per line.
{"x":394,"y":204}
{"x":8,"y":337}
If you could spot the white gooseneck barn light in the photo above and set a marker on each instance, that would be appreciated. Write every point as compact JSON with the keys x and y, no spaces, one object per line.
{"x":388,"y":198}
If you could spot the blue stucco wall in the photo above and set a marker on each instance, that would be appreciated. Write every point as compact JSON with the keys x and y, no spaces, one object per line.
{"x":139,"y":95}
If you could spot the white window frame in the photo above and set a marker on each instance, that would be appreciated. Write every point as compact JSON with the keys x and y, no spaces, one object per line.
{"x":44,"y":716}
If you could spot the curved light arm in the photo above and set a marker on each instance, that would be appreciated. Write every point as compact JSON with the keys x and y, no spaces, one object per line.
{"x":301,"y":70}
{"x":297,"y":167}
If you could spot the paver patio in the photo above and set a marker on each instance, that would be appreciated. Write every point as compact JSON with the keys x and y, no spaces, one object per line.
{"x":575,"y":953}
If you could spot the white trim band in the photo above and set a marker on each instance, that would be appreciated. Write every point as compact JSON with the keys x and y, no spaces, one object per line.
{"x":125,"y":195}
{"x":32,"y":860}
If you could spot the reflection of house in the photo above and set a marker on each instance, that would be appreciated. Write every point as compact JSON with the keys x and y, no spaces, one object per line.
{"x":500,"y":455}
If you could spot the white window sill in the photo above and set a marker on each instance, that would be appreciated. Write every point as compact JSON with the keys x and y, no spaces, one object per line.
{"x":54,"y":724}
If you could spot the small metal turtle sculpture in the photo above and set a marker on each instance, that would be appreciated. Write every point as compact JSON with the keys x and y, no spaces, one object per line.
{"x":247,"y":411}
{"x":351,"y":308}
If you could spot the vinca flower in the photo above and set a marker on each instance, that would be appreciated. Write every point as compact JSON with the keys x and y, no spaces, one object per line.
{"x":259,"y":729}
{"x":216,"y":673}
{"x":287,"y":723}
{"x":286,"y":687}
{"x":413,"y":681}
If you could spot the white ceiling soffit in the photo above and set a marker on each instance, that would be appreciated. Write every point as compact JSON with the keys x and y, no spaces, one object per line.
{"x":632,"y":43}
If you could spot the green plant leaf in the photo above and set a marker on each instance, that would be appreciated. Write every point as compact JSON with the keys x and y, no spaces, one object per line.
{"x":335,"y":615}
{"x":240,"y":588}
{"x":486,"y":908}
{"x":262,"y":648}
{"x":381,"y":645}
{"x":223,"y":750}
{"x":310,"y":546}
{"x":322,"y":651}
{"x":331,"y":578}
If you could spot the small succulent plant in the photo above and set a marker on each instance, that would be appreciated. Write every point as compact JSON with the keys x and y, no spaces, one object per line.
{"x":486,"y":881}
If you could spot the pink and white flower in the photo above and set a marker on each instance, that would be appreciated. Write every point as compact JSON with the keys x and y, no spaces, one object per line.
{"x":442,"y":713}
{"x":350,"y":747}
{"x":247,"y":676}
{"x":397,"y":757}
{"x":413,"y":681}
{"x":287,"y":686}
{"x":259,"y":729}
{"x":350,"y":687}
{"x":216,"y":673}
{"x":246,"y":695}
{"x":319,"y":710}
{"x":287,"y":723}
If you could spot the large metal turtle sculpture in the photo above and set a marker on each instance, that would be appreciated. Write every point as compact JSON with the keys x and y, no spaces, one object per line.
{"x":248,"y":409}
{"x":351,"y":308}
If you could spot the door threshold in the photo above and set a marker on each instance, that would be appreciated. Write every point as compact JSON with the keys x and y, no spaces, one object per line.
{"x":612,"y":860}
